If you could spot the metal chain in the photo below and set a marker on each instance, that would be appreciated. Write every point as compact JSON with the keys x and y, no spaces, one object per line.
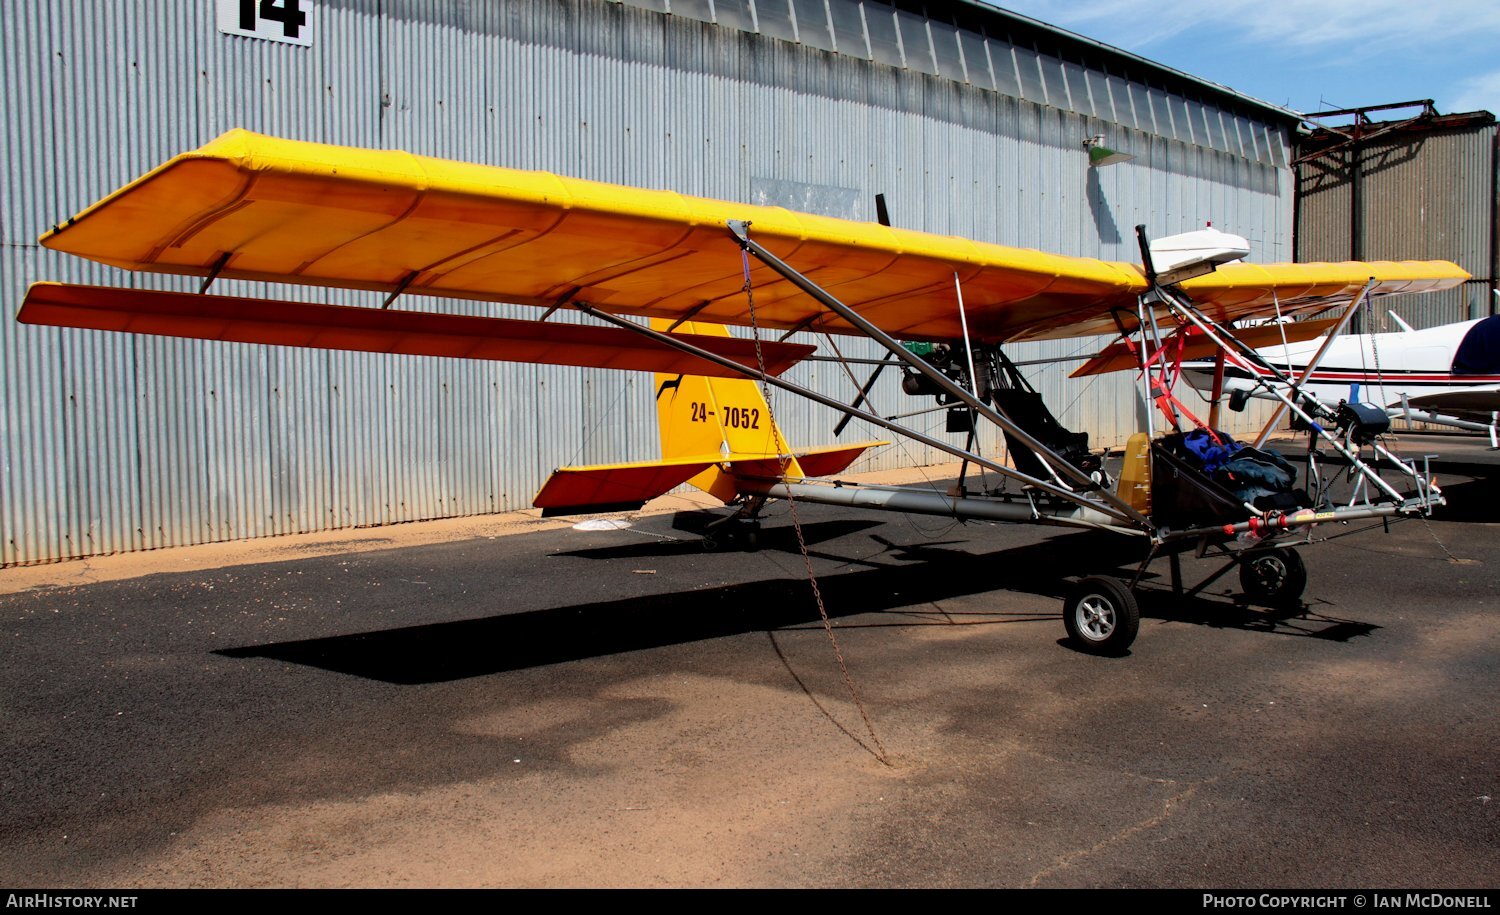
{"x":1442,"y":546}
{"x":783,"y":454}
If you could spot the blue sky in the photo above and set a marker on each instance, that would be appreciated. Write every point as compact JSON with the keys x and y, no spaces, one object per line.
{"x":1309,"y":55}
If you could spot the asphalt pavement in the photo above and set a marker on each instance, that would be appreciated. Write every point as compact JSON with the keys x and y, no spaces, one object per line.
{"x":621,"y":707}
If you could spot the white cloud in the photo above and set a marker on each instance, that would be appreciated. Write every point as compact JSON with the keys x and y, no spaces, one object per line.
{"x":1476,"y":93}
{"x":1355,"y":27}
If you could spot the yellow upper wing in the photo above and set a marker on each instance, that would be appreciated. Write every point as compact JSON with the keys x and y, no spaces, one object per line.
{"x":298,"y":212}
{"x":1237,"y":291}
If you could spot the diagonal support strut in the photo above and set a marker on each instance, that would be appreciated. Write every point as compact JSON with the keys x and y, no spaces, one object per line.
{"x":740,"y":229}
{"x":797,"y":389}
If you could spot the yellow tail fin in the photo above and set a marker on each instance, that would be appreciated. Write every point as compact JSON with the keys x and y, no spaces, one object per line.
{"x":724,"y":416}
{"x":713,"y":430}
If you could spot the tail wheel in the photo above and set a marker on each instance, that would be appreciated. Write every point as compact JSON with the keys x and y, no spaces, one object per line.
{"x":736,"y":534}
{"x":1101,"y":615}
{"x":1274,"y":576}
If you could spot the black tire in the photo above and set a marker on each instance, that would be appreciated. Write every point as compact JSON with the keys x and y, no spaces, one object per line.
{"x":1274,"y":576}
{"x":1101,"y":615}
{"x":738,"y":535}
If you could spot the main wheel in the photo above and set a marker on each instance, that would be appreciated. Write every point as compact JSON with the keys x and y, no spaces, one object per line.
{"x":1274,"y":576}
{"x":1101,"y":615}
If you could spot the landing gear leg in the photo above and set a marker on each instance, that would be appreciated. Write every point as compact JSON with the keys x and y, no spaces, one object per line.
{"x":740,"y":530}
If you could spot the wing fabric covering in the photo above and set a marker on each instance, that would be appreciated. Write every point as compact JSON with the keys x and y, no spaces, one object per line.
{"x":263,"y":208}
{"x":280,"y":323}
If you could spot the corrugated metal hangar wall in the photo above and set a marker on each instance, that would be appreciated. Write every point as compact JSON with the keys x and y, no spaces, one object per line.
{"x":1419,"y":188}
{"x":971,"y":121}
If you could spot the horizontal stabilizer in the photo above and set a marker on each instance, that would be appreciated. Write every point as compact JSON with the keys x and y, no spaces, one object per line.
{"x":814,"y":462}
{"x":626,"y":487}
{"x":369,"y":330}
{"x":1117,"y":356}
{"x":614,"y":487}
{"x":831,"y":459}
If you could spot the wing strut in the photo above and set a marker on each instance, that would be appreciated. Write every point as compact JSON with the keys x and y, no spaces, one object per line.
{"x":1317,"y":360}
{"x":864,"y":392}
{"x":213,"y":272}
{"x":1105,"y":512}
{"x":944,"y":383}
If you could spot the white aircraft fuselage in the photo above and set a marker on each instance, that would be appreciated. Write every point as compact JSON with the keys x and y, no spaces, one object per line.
{"x":1438,"y":369}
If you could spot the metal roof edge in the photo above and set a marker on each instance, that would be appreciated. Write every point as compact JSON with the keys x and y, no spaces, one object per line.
{"x":989,"y":9}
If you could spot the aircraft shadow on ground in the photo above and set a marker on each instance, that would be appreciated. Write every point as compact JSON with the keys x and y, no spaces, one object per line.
{"x":1472,"y":488}
{"x":782,"y":538}
{"x":1474,"y":501}
{"x":460,"y":649}
{"x":1217,"y":612}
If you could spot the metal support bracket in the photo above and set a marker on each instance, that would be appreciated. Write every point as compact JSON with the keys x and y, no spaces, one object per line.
{"x":799,"y":327}
{"x":400,"y":288}
{"x":213,"y":272}
{"x":864,"y":392}
{"x":564,"y":300}
{"x":687,"y":316}
{"x":1317,"y":359}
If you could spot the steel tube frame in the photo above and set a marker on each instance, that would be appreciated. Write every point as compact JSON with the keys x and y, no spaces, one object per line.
{"x":924,"y":502}
{"x":1291,"y":522}
{"x":1204,"y":324}
{"x":1415,"y":415}
{"x":863,"y":397}
{"x":922,"y":412}
{"x":740,"y":230}
{"x":1142,"y":390}
{"x":1133,"y":518}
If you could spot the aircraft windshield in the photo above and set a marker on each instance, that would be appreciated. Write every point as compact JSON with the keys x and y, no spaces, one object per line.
{"x":1479,"y":353}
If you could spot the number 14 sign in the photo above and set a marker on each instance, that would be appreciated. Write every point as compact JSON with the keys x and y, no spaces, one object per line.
{"x":273,"y":20}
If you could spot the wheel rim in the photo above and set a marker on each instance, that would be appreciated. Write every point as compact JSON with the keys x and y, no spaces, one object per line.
{"x":1095,"y":617}
{"x":1269,"y":572}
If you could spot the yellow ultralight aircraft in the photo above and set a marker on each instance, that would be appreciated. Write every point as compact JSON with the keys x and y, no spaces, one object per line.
{"x":253,"y":207}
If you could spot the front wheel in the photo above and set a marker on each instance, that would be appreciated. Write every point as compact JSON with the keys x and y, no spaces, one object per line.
{"x":1274,"y":576}
{"x":1101,"y":615}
